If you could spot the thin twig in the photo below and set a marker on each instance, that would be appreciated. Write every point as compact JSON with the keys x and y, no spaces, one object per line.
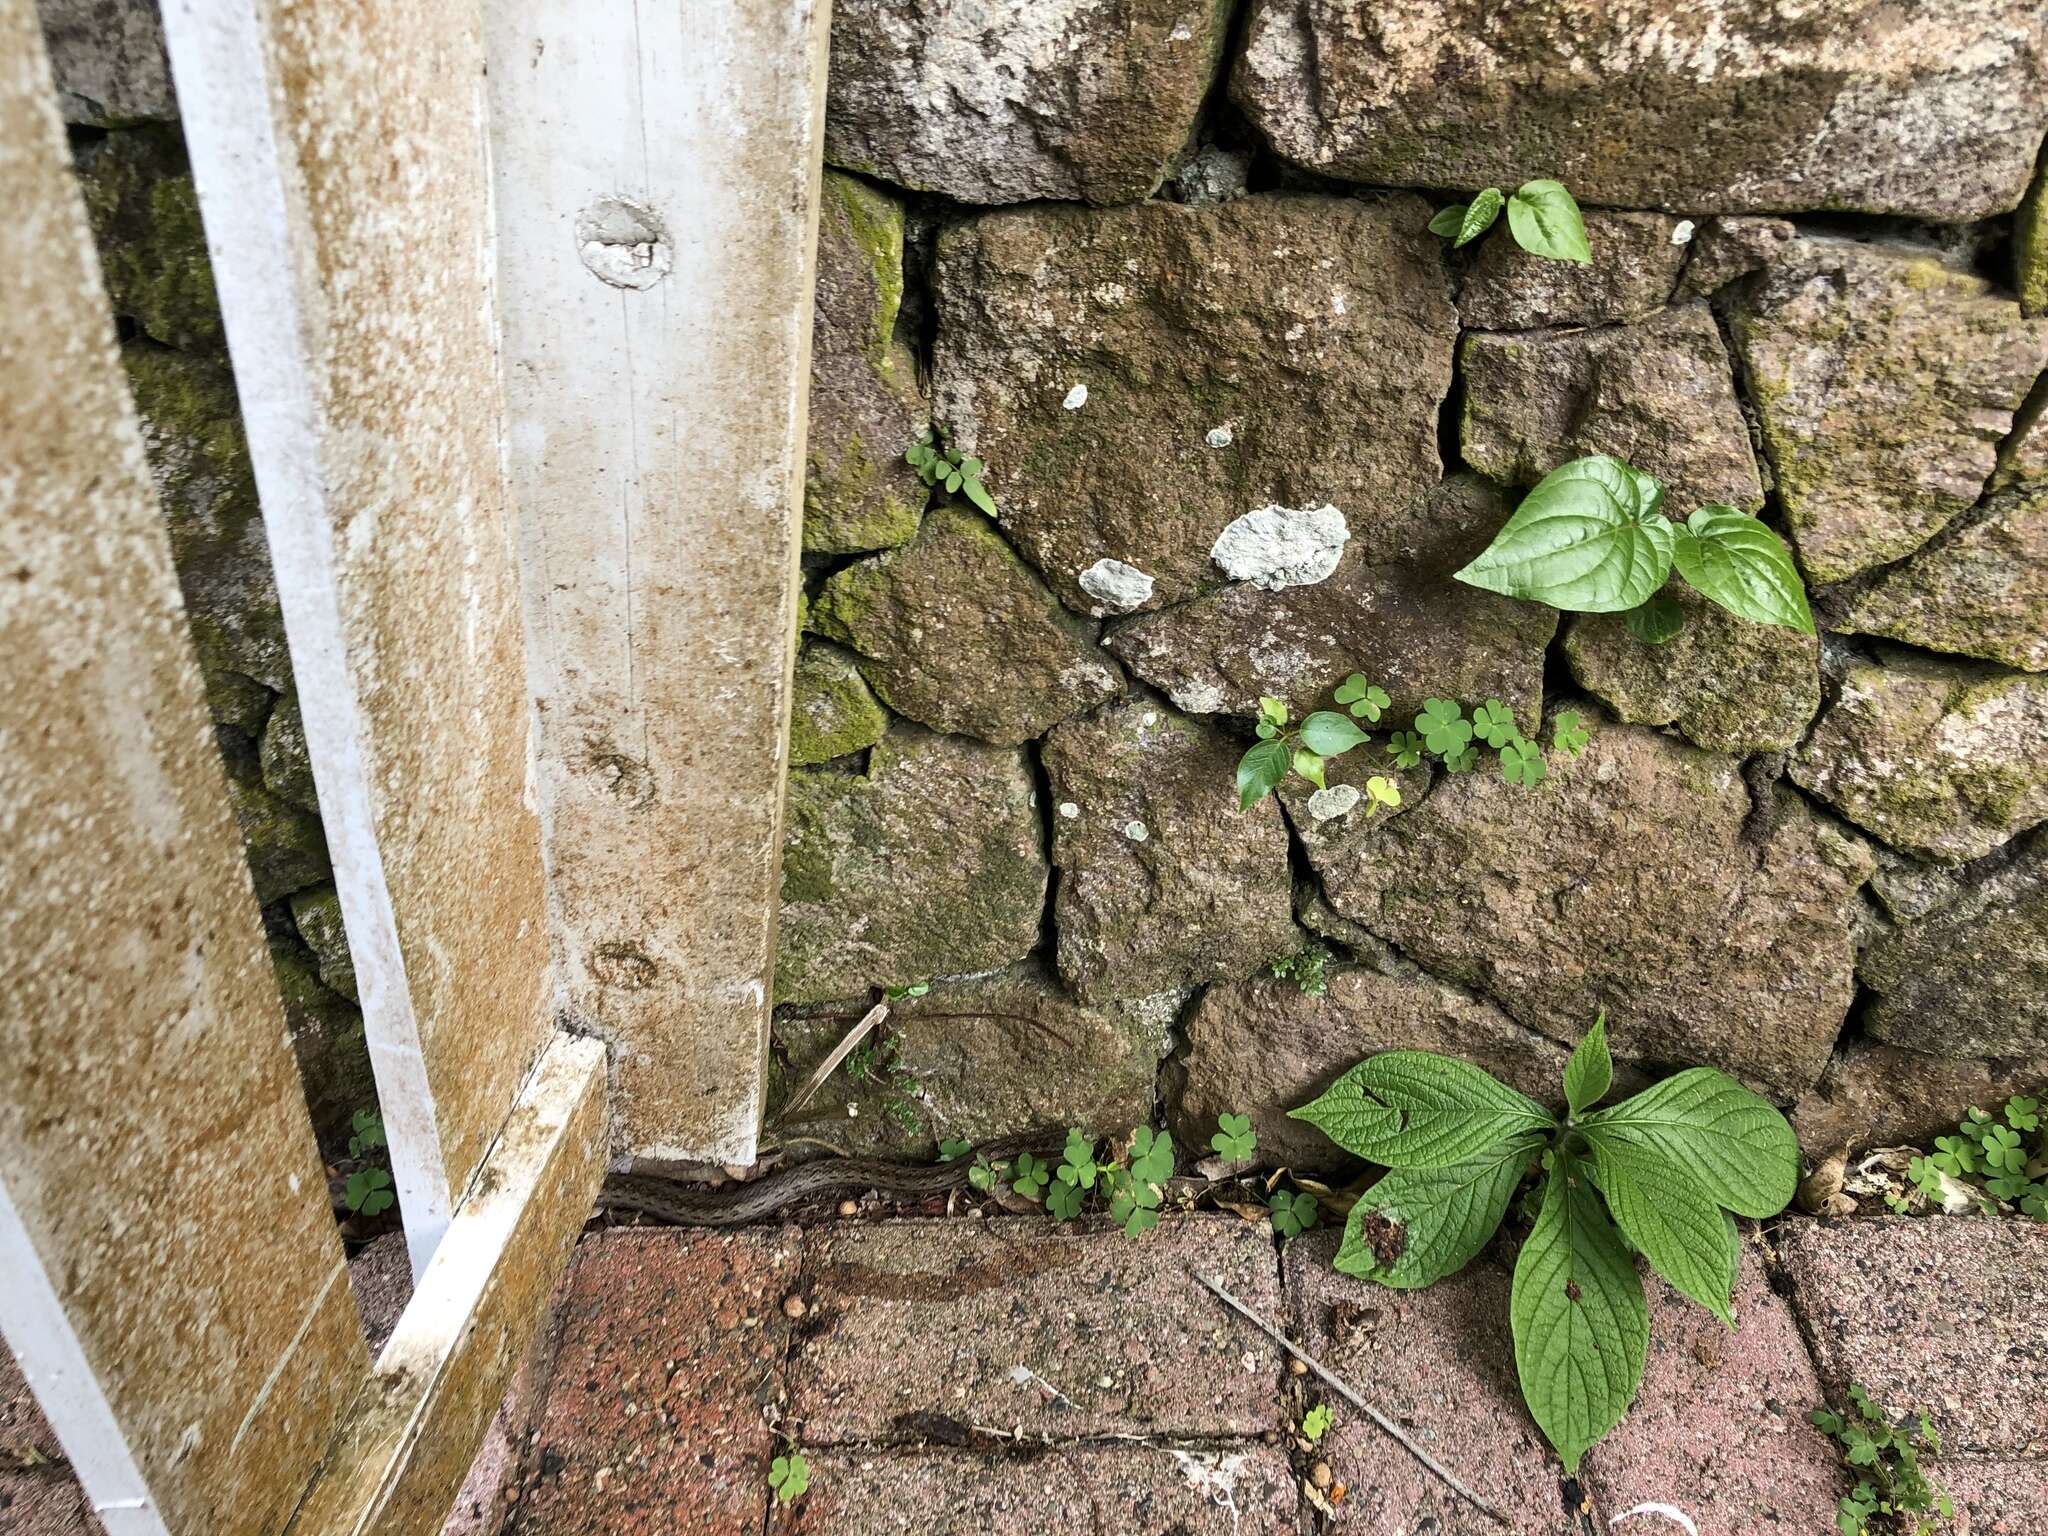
{"x":1351,"y":1397}
{"x":840,"y":1052}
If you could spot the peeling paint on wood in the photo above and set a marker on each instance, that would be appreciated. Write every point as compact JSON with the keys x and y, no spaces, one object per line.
{"x":342,"y":166}
{"x":655,"y":393}
{"x":170,"y":1277}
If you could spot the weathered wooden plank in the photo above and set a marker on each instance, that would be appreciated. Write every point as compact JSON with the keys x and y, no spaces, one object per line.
{"x":341,"y":160}
{"x":657,"y":183}
{"x":170,"y":1277}
{"x":410,"y":1440}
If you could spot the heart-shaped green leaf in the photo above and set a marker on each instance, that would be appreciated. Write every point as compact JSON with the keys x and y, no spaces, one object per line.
{"x":1656,"y":621}
{"x":1736,"y":561}
{"x":1587,"y":539}
{"x":1479,"y":217}
{"x":1545,"y":220}
{"x":1448,"y":221}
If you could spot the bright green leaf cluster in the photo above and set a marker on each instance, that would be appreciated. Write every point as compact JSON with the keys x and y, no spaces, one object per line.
{"x":1658,"y":1174}
{"x":369,"y":1192}
{"x":942,"y":467}
{"x":368,"y":1127}
{"x":1292,"y":1212}
{"x":1892,"y":1494}
{"x":789,"y":1476}
{"x":2008,"y":1160}
{"x":1316,"y":1423}
{"x":1543,"y":217}
{"x":1306,"y":969}
{"x":1441,"y":730}
{"x":1592,"y":537}
{"x":1234,"y":1140}
{"x":1132,"y":1185}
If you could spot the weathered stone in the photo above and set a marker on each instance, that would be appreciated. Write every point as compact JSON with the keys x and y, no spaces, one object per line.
{"x":1884,"y":376}
{"x":1635,"y":266}
{"x":949,"y":1309}
{"x":1940,"y":759}
{"x":1725,"y":249}
{"x":866,"y":404}
{"x":1945,"y":1315}
{"x":1263,"y":1047}
{"x":1659,"y":394}
{"x":109,"y":61}
{"x":326,"y":1032}
{"x":956,"y":631}
{"x":1625,"y":882}
{"x":2030,"y":247}
{"x":192,"y":427}
{"x":1730,"y":685}
{"x":1285,"y":349}
{"x":316,"y":913}
{"x":1878,"y":1095}
{"x":1164,"y":882}
{"x":987,"y":1056}
{"x":1215,"y":173}
{"x":1390,"y":611}
{"x":286,"y":848}
{"x":1019,"y":99}
{"x":1854,"y":106}
{"x":938,"y":1492}
{"x":1995,"y":1496}
{"x":929,"y":864}
{"x":145,"y":220}
{"x":831,"y":711}
{"x":1972,"y":978}
{"x":1982,"y":592}
{"x":287,"y":767}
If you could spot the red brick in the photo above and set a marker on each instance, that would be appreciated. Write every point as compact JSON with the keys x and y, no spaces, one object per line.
{"x":667,"y":1380}
{"x":1134,"y":1488}
{"x":1949,"y":1314}
{"x":1440,"y":1362}
{"x":930,"y":1318}
{"x":1720,"y":1429}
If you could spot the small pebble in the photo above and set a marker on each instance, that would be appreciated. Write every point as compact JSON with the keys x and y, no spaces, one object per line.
{"x":1321,"y":1475}
{"x":1296,"y":1368}
{"x":1076,"y":397}
{"x":1069,"y":810}
{"x":1135,"y":831}
{"x":793,"y":1306}
{"x":849,"y":1208}
{"x":1219,"y":437}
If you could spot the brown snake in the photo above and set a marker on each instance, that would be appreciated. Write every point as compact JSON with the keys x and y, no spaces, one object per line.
{"x":731,"y":1205}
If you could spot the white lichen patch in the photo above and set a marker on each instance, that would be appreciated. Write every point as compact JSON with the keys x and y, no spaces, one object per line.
{"x":1136,"y":831}
{"x":1275,"y":547}
{"x":1076,"y":397}
{"x":1117,"y":586}
{"x":1328,"y":804}
{"x":1220,"y":437}
{"x":1069,"y":810}
{"x":1681,"y":232}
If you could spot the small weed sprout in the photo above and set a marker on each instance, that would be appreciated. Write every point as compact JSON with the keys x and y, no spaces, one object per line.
{"x":943,"y":468}
{"x":1892,"y":1494}
{"x":1292,"y":1212}
{"x":369,"y":1192}
{"x":2004,"y":1156}
{"x":1316,"y":1423}
{"x":1543,"y":217}
{"x":1304,"y":969}
{"x":790,"y":1476}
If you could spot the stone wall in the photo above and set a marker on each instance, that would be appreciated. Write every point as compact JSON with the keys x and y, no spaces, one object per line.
{"x":1164,"y":262}
{"x":115,"y":89}
{"x":1160,"y":263}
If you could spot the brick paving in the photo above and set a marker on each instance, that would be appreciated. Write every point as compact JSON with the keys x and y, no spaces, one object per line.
{"x":678,"y":1363}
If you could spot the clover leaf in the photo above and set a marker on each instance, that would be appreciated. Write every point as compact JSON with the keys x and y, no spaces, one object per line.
{"x":368,"y":1192}
{"x":1235,"y":1139}
{"x":1292,"y":1212}
{"x":1316,"y":1422}
{"x":1079,"y":1159}
{"x":1365,"y":700}
{"x":1383,"y":792}
{"x":1442,"y":726}
{"x":952,"y":1149}
{"x":1063,"y":1199}
{"x":1567,"y":734}
{"x":1151,"y":1155}
{"x":1494,"y":724}
{"x":1407,"y":748}
{"x":1030,"y":1176}
{"x":1521,"y":761}
{"x":789,"y":1476}
{"x":1463,"y":760}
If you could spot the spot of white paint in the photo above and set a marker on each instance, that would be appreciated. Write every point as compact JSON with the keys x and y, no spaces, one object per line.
{"x":1337,"y":302}
{"x":1069,"y":810}
{"x":1135,"y":831}
{"x":1681,"y":232}
{"x":1220,"y":437}
{"x":1117,"y":586}
{"x":1326,"y":804}
{"x":1275,"y":547}
{"x":1076,"y":397}
{"x":1151,"y":717}
{"x":623,"y":242}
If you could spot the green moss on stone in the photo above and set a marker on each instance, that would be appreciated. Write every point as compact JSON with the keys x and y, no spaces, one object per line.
{"x":286,"y":848}
{"x":145,"y":219}
{"x":2030,"y":245}
{"x":832,"y":710}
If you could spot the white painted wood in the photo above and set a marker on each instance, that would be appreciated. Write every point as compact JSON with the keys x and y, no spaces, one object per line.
{"x":657,"y":172}
{"x":341,"y":164}
{"x":170,"y":1277}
